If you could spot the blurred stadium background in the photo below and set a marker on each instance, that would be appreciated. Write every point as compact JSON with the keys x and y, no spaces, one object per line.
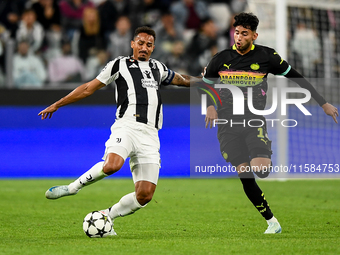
{"x":48,"y":47}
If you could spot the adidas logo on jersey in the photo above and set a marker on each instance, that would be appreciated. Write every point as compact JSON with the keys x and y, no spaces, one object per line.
{"x":133,"y":66}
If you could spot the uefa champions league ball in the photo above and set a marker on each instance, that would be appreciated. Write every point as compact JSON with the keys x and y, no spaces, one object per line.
{"x":97,"y":224}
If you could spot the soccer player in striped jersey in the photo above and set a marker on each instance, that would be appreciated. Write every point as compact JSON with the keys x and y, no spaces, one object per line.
{"x":248,"y":148}
{"x":134,"y":133}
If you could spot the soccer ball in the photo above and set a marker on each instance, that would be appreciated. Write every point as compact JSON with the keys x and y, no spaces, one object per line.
{"x":97,"y":224}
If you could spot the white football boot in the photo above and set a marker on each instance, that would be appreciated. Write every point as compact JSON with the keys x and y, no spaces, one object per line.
{"x":273,"y":228}
{"x":57,"y":192}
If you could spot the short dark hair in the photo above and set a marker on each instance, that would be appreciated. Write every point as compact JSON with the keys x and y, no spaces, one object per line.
{"x":247,"y":20}
{"x":205,"y":20}
{"x":146,"y":30}
{"x":28,"y":11}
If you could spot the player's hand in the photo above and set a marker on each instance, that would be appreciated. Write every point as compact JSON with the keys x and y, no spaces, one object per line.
{"x":210,"y":116}
{"x":331,"y":111}
{"x":48,"y":112}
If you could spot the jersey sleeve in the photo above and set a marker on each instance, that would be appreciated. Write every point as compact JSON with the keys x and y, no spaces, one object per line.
{"x":167,"y":75}
{"x":211,"y":72}
{"x":110,"y":72}
{"x":278,"y":66}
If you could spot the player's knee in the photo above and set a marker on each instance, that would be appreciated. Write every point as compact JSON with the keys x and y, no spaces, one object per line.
{"x":144,"y":197}
{"x":144,"y":192}
{"x":112,"y":164}
{"x":110,"y":168}
{"x":260,"y":162}
{"x":263,"y":173}
{"x":262,"y":170}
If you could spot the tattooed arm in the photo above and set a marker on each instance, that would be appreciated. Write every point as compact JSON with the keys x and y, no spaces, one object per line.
{"x":184,"y":80}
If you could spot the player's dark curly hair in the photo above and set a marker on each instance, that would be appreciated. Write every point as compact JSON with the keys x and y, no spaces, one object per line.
{"x":247,"y":20}
{"x":146,"y":30}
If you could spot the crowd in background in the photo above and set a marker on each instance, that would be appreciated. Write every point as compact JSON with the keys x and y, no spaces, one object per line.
{"x":58,"y":41}
{"x":70,"y":41}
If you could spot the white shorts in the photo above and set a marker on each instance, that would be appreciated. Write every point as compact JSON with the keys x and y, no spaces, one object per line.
{"x":145,"y":172}
{"x":135,"y":140}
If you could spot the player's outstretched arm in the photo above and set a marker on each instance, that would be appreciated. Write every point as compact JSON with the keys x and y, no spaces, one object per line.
{"x":331,"y":111}
{"x":77,"y":94}
{"x":303,"y":83}
{"x":184,"y":80}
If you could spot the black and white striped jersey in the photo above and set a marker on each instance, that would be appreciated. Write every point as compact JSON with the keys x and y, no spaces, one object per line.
{"x":137,"y":88}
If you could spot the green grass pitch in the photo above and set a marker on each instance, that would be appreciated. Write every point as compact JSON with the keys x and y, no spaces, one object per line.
{"x":186,"y":216}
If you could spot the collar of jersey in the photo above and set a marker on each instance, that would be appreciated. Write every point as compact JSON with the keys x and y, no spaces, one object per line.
{"x":252,"y":47}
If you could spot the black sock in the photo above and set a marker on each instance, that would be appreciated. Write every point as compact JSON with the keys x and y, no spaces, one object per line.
{"x":255,"y":194}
